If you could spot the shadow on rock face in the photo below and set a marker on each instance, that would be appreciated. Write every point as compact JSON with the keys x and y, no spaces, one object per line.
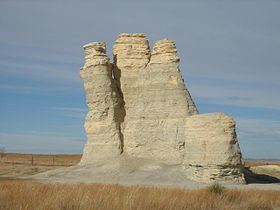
{"x":253,"y":178}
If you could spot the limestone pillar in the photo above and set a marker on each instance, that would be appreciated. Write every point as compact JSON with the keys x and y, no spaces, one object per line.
{"x":131,"y":55}
{"x":156,"y":99}
{"x":102,"y":121}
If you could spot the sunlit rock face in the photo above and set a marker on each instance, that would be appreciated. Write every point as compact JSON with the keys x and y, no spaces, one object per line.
{"x":102,"y":124}
{"x":139,"y":107}
{"x":155,"y":129}
{"x":212,"y":152}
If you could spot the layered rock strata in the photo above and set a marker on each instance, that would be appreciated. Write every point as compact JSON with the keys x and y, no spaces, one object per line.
{"x":131,"y":55}
{"x":102,"y":124}
{"x":212,"y":153}
{"x":141,"y":111}
{"x":156,"y":129}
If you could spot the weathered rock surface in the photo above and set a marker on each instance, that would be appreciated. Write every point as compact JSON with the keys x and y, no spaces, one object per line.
{"x":164,"y":51}
{"x":140,"y":110}
{"x":131,"y":55}
{"x":102,"y":124}
{"x":212,"y":152}
{"x":156,"y":127}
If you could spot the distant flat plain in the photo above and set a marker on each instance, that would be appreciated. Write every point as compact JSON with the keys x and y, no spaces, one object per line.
{"x":14,"y":165}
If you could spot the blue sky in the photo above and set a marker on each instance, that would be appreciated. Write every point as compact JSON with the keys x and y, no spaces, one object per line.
{"x":230,"y":60}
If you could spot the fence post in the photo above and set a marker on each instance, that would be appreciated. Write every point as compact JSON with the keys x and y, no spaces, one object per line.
{"x":53,"y":160}
{"x":32,"y":160}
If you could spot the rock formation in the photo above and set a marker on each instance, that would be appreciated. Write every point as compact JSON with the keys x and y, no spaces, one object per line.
{"x":102,"y":124}
{"x":140,"y":108}
{"x":212,"y":152}
{"x":156,"y":129}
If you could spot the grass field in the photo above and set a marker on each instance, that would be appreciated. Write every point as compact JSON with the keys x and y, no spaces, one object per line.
{"x":253,"y":163}
{"x":41,"y":159}
{"x":13,"y":165}
{"x":29,"y":194}
{"x":33,"y":195}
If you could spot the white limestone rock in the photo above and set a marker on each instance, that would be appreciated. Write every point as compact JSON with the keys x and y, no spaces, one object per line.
{"x":102,"y":124}
{"x":140,"y":109}
{"x":164,"y":51}
{"x":212,"y":152}
{"x":156,"y":127}
{"x":131,"y":55}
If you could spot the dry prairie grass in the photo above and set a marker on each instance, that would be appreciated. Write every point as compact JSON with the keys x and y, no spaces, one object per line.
{"x":253,"y":163}
{"x":17,"y":170}
{"x":41,"y":159}
{"x":13,"y":165}
{"x":34,"y":195}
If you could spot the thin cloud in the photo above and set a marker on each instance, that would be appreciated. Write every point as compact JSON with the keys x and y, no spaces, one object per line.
{"x":40,"y":71}
{"x":74,"y":112}
{"x":38,"y":89}
{"x":43,"y":142}
{"x":259,"y":138}
{"x":257,"y":128}
{"x":253,"y":96}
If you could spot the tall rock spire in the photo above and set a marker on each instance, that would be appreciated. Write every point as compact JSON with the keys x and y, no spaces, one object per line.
{"x":131,"y":55}
{"x":102,"y":124}
{"x":160,"y":109}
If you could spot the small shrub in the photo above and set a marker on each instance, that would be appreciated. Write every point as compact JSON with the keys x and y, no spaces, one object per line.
{"x":216,"y":188}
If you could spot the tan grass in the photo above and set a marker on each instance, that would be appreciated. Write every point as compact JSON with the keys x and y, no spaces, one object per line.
{"x":13,"y":165}
{"x":41,"y":159}
{"x":34,"y":195}
{"x":252,"y":163}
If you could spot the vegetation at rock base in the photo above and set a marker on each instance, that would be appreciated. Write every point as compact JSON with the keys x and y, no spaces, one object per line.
{"x":216,"y":188}
{"x":15,"y":194}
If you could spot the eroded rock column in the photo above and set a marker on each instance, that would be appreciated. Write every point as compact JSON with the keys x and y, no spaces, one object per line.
{"x":155,"y":128}
{"x":131,"y":56}
{"x":164,"y":77}
{"x":212,"y":153}
{"x":102,"y":124}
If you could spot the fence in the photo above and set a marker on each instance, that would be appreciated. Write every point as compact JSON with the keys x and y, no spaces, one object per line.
{"x":40,"y":160}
